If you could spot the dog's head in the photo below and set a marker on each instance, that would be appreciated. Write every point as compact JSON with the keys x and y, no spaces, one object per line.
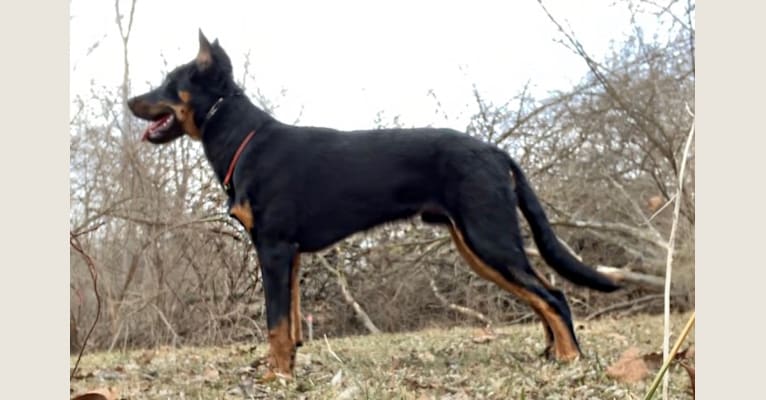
{"x":180,"y":104}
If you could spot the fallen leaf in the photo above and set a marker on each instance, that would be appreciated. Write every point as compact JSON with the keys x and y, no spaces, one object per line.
{"x":690,"y":370}
{"x":419,"y":383}
{"x":654,"y":360}
{"x":146,"y":357}
{"x":426,"y":357}
{"x":210,"y":374}
{"x":629,"y":368}
{"x":484,"y":335}
{"x":395,"y":362}
{"x":109,"y":393}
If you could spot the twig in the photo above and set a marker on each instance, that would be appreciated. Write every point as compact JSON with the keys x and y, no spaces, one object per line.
{"x":116,"y":336}
{"x":624,"y":304}
{"x":669,"y":266}
{"x":88,"y":229}
{"x":625,"y":275}
{"x":619,"y":274}
{"x":460,"y":309}
{"x":332,"y":353}
{"x":664,"y":206}
{"x":636,"y":208}
{"x":521,"y":318}
{"x":360,"y":313}
{"x":614,"y":227}
{"x":167,"y":324}
{"x":348,"y":373}
{"x":75,"y":243}
{"x":442,"y":238}
{"x":569,"y":249}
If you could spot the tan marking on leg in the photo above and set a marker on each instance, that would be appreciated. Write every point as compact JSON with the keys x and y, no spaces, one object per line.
{"x":547,"y":285}
{"x":296,"y":328}
{"x":564,"y":348}
{"x":281,"y":351}
{"x":244,"y":214}
{"x":549,"y":342}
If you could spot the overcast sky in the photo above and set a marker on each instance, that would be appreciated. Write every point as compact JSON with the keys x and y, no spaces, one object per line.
{"x":343,"y":62}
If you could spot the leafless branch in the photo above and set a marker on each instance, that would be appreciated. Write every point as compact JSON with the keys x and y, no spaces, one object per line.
{"x":360,"y":313}
{"x":457,"y":308}
{"x":74,"y":242}
{"x":669,"y":266}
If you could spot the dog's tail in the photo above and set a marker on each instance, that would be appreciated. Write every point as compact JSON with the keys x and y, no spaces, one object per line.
{"x":550,"y":248}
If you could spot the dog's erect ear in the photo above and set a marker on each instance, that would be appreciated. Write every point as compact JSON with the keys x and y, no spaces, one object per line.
{"x":205,"y":56}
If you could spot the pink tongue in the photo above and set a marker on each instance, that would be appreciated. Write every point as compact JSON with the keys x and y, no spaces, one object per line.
{"x":154,"y":126}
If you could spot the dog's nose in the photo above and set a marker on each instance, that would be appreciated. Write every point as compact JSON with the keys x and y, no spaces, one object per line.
{"x":132,"y":102}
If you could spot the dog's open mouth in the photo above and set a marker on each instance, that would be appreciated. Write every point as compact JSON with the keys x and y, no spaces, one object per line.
{"x":163,"y":130}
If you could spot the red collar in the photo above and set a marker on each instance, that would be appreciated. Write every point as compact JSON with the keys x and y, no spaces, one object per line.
{"x":233,"y":162}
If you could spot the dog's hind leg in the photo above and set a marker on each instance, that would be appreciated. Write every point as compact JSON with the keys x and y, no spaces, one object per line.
{"x":486,"y":232}
{"x":277,"y":259}
{"x":548,"y":303}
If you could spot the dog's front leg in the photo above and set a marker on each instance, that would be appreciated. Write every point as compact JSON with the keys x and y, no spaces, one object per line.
{"x":276,"y":258}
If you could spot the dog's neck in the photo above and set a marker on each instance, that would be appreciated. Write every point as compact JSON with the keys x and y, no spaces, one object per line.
{"x":223,"y":133}
{"x":212,"y":111}
{"x":214,"y":108}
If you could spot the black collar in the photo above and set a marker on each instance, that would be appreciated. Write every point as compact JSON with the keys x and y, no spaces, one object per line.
{"x":217,"y":105}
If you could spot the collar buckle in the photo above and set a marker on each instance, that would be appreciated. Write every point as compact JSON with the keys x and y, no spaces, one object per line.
{"x":213,"y":109}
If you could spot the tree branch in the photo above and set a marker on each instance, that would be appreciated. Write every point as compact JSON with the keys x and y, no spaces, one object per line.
{"x":74,"y":242}
{"x":457,"y":308}
{"x":360,"y":313}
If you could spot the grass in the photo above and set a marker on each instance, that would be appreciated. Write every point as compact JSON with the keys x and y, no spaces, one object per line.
{"x":430,"y":364}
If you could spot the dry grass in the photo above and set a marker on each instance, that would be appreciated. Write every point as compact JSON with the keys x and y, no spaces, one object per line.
{"x":430,"y":364}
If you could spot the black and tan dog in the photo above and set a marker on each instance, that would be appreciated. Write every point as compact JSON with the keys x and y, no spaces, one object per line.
{"x":301,"y":189}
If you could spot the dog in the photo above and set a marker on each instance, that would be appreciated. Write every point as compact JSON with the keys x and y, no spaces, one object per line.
{"x":301,"y":189}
